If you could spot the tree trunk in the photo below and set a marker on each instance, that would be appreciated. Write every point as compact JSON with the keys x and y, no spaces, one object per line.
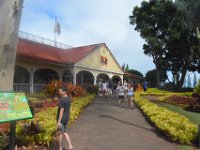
{"x":10,"y":14}
{"x":158,"y":77}
{"x":181,"y":80}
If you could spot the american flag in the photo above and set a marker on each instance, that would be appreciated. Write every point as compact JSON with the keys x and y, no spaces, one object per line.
{"x":57,"y":28}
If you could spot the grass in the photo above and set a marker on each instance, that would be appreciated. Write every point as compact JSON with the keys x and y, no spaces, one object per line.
{"x":193,"y":116}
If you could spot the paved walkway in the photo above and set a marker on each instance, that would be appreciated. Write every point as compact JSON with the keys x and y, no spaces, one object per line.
{"x":105,"y":126}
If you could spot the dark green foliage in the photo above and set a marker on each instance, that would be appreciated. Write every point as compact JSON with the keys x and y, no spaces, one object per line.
{"x":4,"y":138}
{"x":32,"y":128}
{"x":192,"y":8}
{"x":136,"y":72}
{"x":91,"y":88}
{"x":170,"y":42}
{"x":151,"y":77}
{"x":197,"y":91}
{"x":168,"y":87}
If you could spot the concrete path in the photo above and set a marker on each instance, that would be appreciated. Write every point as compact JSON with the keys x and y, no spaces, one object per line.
{"x":105,"y":126}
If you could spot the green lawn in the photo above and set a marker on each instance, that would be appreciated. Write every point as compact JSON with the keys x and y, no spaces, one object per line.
{"x":193,"y":116}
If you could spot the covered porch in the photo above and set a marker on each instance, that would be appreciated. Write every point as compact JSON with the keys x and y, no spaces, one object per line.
{"x":35,"y":78}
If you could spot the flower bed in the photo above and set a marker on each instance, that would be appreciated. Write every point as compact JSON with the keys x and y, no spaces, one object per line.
{"x":4,"y":128}
{"x":173,"y":125}
{"x":188,"y":103}
{"x":41,"y":129}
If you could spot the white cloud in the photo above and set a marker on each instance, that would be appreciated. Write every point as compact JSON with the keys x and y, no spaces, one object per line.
{"x":88,"y":22}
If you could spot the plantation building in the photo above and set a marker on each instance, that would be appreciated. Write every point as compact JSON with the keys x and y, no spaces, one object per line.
{"x":40,"y":61}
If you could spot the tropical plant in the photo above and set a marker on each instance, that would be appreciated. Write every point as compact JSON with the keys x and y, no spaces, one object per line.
{"x":136,"y":72}
{"x":42,"y":128}
{"x":73,"y":90}
{"x":173,"y":125}
{"x":151,"y":77}
{"x":169,"y":41}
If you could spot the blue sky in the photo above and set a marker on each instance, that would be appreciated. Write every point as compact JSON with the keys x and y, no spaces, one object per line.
{"x":86,"y":22}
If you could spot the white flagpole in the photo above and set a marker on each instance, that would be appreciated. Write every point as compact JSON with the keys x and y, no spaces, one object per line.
{"x":55,"y":31}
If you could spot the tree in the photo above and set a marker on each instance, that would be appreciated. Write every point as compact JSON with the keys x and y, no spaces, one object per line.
{"x":195,"y":80}
{"x":127,"y":67}
{"x":151,"y":77}
{"x":148,"y":20}
{"x":185,"y":82}
{"x":10,"y":13}
{"x":189,"y":81}
{"x":123,"y":67}
{"x":182,"y":49}
{"x":192,"y":11}
{"x":136,"y":72}
{"x":172,"y":45}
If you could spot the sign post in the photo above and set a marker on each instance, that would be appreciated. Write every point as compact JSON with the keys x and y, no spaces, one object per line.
{"x":13,"y":107}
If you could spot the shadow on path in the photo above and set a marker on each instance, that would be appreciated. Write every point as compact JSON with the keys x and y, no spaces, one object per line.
{"x":125,"y":122}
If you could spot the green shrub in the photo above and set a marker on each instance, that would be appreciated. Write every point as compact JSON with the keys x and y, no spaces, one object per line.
{"x":173,"y":125}
{"x":36,"y":95}
{"x":4,"y":139}
{"x":155,"y":92}
{"x":44,"y":123}
{"x":91,"y":89}
{"x":197,"y":89}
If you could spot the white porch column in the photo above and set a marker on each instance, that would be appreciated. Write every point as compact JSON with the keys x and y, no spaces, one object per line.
{"x":122,"y":79}
{"x":60,"y":77}
{"x":74,"y":76}
{"x":32,"y":79}
{"x":95,"y":80}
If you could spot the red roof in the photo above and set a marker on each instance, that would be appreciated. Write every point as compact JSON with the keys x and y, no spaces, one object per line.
{"x":41,"y":52}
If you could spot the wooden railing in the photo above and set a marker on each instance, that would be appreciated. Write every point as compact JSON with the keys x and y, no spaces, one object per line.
{"x":27,"y":88}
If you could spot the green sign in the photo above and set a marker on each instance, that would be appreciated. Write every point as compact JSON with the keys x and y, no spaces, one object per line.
{"x":14,"y":106}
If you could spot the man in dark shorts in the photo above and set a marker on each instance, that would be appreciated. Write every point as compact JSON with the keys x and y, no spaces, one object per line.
{"x":63,"y":114}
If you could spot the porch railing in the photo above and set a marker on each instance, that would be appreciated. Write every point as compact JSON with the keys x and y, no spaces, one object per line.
{"x":21,"y":87}
{"x":37,"y":88}
{"x":28,"y":88}
{"x":42,"y":40}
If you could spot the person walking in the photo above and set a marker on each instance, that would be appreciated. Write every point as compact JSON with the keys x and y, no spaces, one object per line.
{"x":145,"y":84}
{"x":121,"y":94}
{"x":100,"y":90}
{"x":110,"y":87}
{"x":105,"y":88}
{"x":130,"y":94}
{"x":62,"y":117}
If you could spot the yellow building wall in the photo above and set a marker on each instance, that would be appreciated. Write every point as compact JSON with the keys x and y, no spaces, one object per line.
{"x":93,"y":60}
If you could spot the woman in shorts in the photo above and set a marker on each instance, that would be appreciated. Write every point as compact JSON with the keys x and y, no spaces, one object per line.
{"x":130,"y":94}
{"x":121,"y":94}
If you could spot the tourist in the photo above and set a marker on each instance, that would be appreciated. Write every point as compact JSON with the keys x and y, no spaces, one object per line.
{"x":145,"y":84}
{"x":130,"y":94}
{"x":105,"y":88}
{"x":62,"y":117}
{"x":121,"y":94}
